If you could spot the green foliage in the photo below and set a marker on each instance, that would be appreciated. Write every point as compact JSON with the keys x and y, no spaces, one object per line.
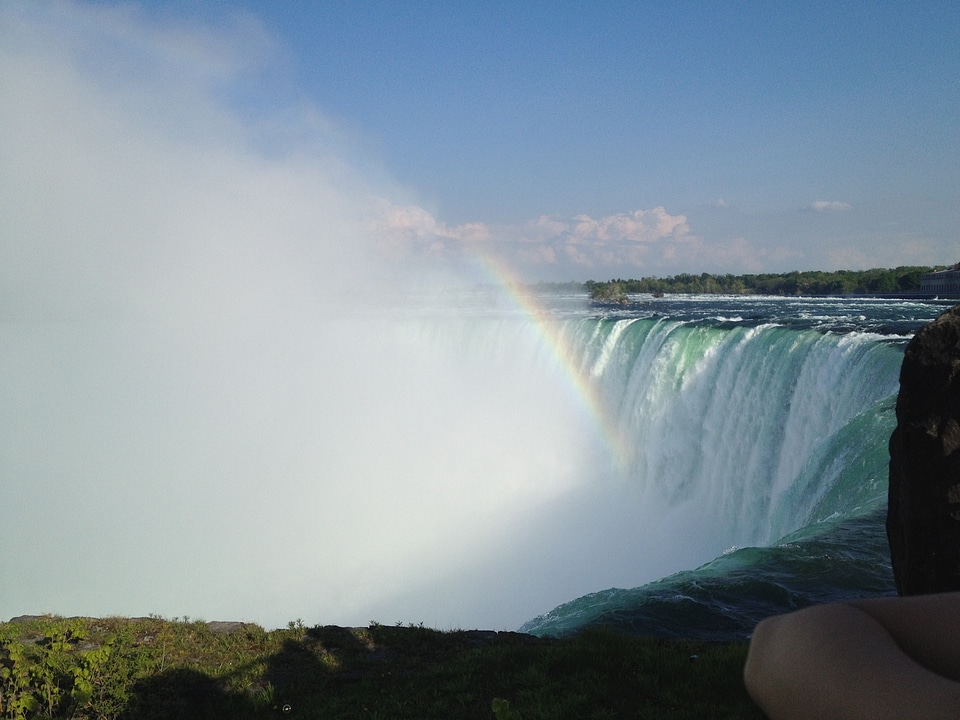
{"x":503,"y":711}
{"x":153,"y":668}
{"x":17,"y":698}
{"x":608,"y":292}
{"x":814,"y":282}
{"x":48,"y":677}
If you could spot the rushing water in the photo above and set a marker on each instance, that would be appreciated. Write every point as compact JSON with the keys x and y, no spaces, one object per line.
{"x":768,"y":419}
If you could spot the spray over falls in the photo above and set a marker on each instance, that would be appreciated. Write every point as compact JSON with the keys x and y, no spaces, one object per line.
{"x":443,"y":467}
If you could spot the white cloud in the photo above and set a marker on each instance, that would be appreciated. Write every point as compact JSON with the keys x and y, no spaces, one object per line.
{"x":409,"y":230}
{"x":829,"y":206}
{"x":579,"y":243}
{"x":647,"y":241}
{"x":546,"y":227}
{"x":639,"y":226}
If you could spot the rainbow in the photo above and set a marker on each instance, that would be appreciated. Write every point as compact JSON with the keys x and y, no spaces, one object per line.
{"x":583,"y":386}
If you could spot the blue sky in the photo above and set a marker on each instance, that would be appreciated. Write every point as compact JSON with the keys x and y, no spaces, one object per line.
{"x":503,"y":110}
{"x":575,"y":140}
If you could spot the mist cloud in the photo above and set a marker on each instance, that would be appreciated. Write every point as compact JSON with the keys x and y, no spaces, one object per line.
{"x":129,"y":180}
{"x":207,"y":406}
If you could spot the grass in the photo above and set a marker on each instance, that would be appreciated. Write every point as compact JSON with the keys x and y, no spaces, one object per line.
{"x":156,"y":668}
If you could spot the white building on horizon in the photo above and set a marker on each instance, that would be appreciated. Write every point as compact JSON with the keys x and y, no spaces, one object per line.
{"x":942,"y":282}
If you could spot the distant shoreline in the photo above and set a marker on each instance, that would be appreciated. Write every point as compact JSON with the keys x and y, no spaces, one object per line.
{"x":877,"y":282}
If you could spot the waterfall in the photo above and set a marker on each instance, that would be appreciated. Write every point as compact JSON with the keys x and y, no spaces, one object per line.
{"x":744,"y":420}
{"x":766,"y":443}
{"x":453,"y":468}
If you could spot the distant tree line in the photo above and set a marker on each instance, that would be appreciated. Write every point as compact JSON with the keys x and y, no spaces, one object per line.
{"x":813,"y":282}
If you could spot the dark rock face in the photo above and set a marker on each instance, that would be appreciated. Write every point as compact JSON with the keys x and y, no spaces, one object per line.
{"x":923,"y":517}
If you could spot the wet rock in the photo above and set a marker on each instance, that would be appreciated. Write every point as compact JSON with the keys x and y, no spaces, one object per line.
{"x":923,"y":516}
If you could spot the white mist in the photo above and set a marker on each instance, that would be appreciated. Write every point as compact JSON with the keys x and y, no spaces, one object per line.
{"x":209,"y":405}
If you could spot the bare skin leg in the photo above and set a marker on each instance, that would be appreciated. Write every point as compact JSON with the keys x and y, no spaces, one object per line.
{"x":896,"y":658}
{"x":926,"y":627}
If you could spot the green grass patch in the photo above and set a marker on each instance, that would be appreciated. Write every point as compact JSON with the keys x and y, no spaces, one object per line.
{"x":156,"y":668}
